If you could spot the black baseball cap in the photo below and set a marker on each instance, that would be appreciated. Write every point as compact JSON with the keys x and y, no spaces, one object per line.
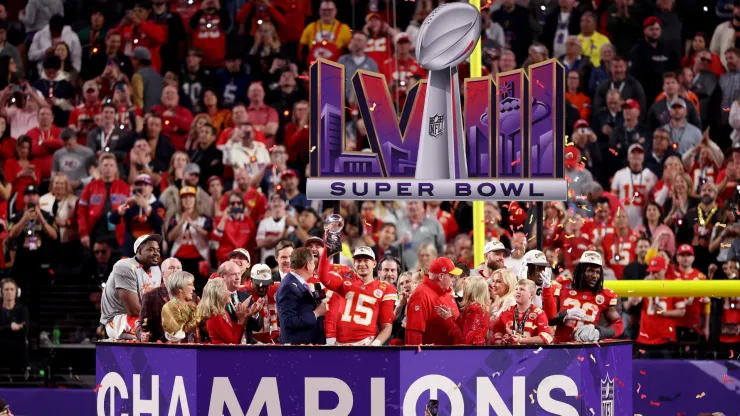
{"x":31,"y":189}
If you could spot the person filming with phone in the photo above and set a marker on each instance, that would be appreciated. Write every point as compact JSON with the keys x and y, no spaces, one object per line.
{"x":142,"y":213}
{"x":235,"y":228}
{"x":33,"y":232}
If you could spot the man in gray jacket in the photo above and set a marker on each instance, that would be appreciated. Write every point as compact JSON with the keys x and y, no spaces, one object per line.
{"x":147,"y":82}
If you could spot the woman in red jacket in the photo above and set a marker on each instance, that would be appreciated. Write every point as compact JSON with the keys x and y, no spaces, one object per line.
{"x":471,"y":327}
{"x":212,"y":309}
{"x":20,"y":171}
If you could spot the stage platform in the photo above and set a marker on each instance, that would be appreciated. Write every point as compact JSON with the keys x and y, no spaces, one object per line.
{"x":383,"y":377}
{"x":581,"y":379}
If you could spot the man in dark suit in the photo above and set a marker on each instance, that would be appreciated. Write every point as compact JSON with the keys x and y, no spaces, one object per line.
{"x":283,"y":250}
{"x":232,"y":275}
{"x":300,"y":314}
{"x":149,"y":328}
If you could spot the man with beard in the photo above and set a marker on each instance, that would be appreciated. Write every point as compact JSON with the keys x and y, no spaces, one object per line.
{"x":621,"y":81}
{"x":130,"y":279}
{"x":619,"y":247}
{"x":537,"y":269}
{"x":581,"y":303}
{"x":264,"y":289}
{"x":369,"y":302}
{"x":389,"y":270}
{"x":495,"y":254}
{"x":650,"y":59}
{"x":697,"y":225}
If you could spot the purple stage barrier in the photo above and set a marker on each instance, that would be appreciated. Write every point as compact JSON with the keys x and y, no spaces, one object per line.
{"x":216,"y":380}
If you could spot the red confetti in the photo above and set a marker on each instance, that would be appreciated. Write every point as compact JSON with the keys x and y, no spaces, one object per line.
{"x":272,"y":148}
{"x":485,"y":6}
{"x":580,"y":395}
{"x":639,"y":386}
{"x":303,"y":77}
{"x":614,"y":152}
{"x":97,"y":388}
{"x":580,"y":358}
{"x":516,"y":161}
{"x":643,"y":372}
{"x":642,"y":351}
{"x":540,"y":84}
{"x":726,"y":109}
{"x":732,"y":353}
{"x":726,"y":380}
{"x":642,"y":396}
{"x":418,"y":349}
{"x":656,"y":404}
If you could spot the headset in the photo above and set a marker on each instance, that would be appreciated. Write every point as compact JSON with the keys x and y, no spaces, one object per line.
{"x":17,"y":289}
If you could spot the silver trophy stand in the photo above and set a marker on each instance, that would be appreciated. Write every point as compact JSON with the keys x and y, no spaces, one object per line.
{"x":441,"y":124}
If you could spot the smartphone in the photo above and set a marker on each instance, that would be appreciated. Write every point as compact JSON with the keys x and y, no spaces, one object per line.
{"x":432,"y":408}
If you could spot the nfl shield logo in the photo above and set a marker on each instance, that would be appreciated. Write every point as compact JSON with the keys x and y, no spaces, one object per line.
{"x":607,"y":396}
{"x":436,"y":123}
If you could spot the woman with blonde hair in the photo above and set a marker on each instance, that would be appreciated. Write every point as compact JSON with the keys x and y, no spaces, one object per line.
{"x":178,"y":161}
{"x":472,"y":325}
{"x":680,"y":201}
{"x":426,"y":255}
{"x":265,"y":49}
{"x":199,"y":121}
{"x":187,"y":234}
{"x":60,"y":203}
{"x":212,"y":311}
{"x":179,"y":318}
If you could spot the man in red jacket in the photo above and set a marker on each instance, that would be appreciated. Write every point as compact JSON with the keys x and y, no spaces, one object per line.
{"x":235,"y":228}
{"x":99,"y":199}
{"x":45,"y":140}
{"x":176,"y":120}
{"x":137,"y":30}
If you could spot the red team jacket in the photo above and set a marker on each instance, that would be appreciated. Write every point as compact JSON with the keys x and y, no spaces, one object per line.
{"x":91,"y":203}
{"x":147,"y":34}
{"x":236,"y":234}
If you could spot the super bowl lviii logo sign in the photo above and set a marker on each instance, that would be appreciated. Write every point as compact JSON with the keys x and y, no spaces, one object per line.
{"x":504,"y":140}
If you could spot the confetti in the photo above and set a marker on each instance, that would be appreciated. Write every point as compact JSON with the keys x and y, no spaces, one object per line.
{"x":656,"y":404}
{"x":727,"y":380}
{"x":726,"y":109}
{"x":732,"y":353}
{"x":516,"y":161}
{"x":540,"y":349}
{"x":313,"y":148}
{"x":592,"y":358}
{"x":643,"y":397}
{"x":643,"y":372}
{"x":639,"y":386}
{"x":539,"y":84}
{"x":97,"y":388}
{"x":614,"y":152}
{"x":303,"y":77}
{"x":642,"y":351}
{"x":699,"y":396}
{"x":531,"y":397}
{"x":580,"y":358}
{"x":272,"y":148}
{"x":497,"y":373}
{"x":592,"y":411}
{"x":373,"y":107}
{"x":458,"y":386}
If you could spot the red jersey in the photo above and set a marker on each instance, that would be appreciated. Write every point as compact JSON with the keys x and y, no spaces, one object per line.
{"x":619,"y":251}
{"x":448,"y":223}
{"x":694,"y":306}
{"x":43,"y":146}
{"x":574,"y":248}
{"x":210,"y":38}
{"x":255,"y":201}
{"x":367,"y":305}
{"x":295,"y":13}
{"x":535,"y":324}
{"x":654,"y":328}
{"x":595,"y":231}
{"x":262,"y":13}
{"x":400,"y":76}
{"x":552,"y":233}
{"x":730,"y":321}
{"x":177,"y":126}
{"x":730,"y":186}
{"x":593,"y":304}
{"x":379,"y":48}
{"x":700,"y":174}
{"x":269,"y":332}
{"x":83,"y":117}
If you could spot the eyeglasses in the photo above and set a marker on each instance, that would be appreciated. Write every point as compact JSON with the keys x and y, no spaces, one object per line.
{"x":236,"y":203}
{"x":706,"y":60}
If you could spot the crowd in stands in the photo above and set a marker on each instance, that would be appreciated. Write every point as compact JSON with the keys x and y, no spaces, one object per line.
{"x":188,"y":120}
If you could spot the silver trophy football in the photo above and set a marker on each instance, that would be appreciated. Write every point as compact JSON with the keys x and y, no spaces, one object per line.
{"x":446,"y":38}
{"x":333,"y":225}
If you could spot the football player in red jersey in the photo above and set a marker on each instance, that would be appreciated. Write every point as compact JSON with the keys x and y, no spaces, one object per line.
{"x":523,"y":323}
{"x":582,"y":302}
{"x":620,"y":247}
{"x":369,"y":302}
{"x":659,"y":315}
{"x":729,"y":337}
{"x":263,"y":287}
{"x":690,"y":326}
{"x":334,"y":304}
{"x":598,"y":227}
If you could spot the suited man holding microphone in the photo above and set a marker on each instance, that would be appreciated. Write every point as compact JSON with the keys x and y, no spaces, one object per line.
{"x":300,"y":310}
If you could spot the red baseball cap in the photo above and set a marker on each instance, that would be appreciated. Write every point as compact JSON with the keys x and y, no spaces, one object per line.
{"x":657,"y":264}
{"x":652,"y":20}
{"x":685,"y":249}
{"x":444,"y":265}
{"x":580,"y":123}
{"x":631,"y":103}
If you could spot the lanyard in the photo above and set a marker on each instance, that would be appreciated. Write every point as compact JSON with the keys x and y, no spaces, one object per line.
{"x":44,"y":136}
{"x":104,"y":139}
{"x":632,"y":181}
{"x":519,"y":323}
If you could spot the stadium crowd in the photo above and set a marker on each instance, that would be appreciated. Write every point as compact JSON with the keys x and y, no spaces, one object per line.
{"x":132,"y":132}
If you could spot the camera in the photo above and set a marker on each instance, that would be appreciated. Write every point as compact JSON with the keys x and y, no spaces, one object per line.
{"x":19,"y":88}
{"x":138,"y":190}
{"x":31,"y":206}
{"x":235,"y":210}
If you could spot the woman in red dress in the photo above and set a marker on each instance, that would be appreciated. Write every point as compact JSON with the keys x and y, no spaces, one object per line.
{"x":213,"y":309}
{"x":471,"y":327}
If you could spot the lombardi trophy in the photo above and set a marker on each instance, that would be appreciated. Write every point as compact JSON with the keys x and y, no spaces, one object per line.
{"x":446,"y":38}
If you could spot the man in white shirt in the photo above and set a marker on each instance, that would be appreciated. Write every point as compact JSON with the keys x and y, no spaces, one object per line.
{"x":46,"y":40}
{"x":273,"y":227}
{"x":633,"y":184}
{"x":519,"y":247}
